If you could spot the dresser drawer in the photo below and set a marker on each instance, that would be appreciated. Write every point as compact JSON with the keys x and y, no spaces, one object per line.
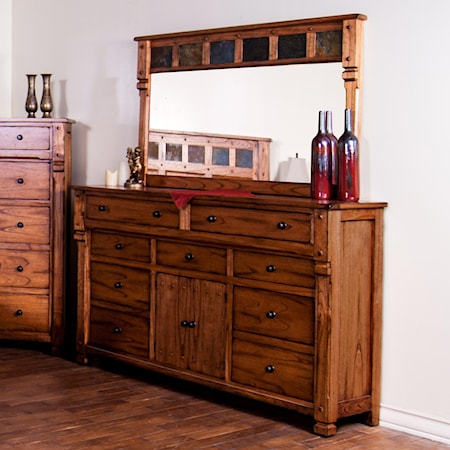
{"x":195,"y":257}
{"x":25,"y":180}
{"x":274,"y":268}
{"x":161,"y":214}
{"x":254,"y":223}
{"x":24,"y":138}
{"x":272,"y":368}
{"x":120,"y":332}
{"x":28,"y":225}
{"x":273,"y":314}
{"x":121,"y":246}
{"x":122,"y":285}
{"x":24,"y":269}
{"x":20,"y":312}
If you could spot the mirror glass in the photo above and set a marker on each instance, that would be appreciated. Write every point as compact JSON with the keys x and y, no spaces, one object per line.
{"x":276,"y":102}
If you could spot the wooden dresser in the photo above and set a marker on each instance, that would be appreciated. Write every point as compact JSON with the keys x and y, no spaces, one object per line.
{"x":275,"y":298}
{"x":35,"y":167}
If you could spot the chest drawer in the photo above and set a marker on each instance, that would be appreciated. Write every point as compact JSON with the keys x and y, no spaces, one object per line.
{"x":274,"y":268}
{"x":21,"y":312}
{"x":272,"y":368}
{"x":24,"y":269}
{"x":24,"y":138}
{"x":273,"y":314}
{"x":193,"y":257}
{"x":25,"y":180}
{"x":118,"y":284}
{"x":254,"y":223}
{"x":120,"y":246}
{"x":24,"y":225}
{"x":153,"y":213}
{"x":120,"y":332}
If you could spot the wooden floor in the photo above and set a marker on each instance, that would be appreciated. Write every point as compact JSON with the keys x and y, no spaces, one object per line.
{"x":48,"y":402}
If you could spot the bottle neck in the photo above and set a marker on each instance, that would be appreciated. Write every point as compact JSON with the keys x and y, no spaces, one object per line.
{"x":322,"y":122}
{"x":329,"y":122}
{"x":348,"y":120}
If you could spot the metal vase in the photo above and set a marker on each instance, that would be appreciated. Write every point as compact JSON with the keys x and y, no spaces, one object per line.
{"x":46,"y":101}
{"x":31,"y":104}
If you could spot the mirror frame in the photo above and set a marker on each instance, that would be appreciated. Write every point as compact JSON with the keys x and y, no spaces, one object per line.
{"x":305,"y":41}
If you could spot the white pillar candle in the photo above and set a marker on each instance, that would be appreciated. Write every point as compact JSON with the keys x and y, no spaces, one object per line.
{"x":111,"y":178}
{"x":124,"y":173}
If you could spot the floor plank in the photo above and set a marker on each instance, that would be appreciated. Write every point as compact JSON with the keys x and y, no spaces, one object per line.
{"x":50,"y":403}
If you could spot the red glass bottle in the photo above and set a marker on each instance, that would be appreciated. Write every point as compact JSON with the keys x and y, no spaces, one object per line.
{"x":321,"y":187}
{"x":348,"y":162}
{"x":334,"y":152}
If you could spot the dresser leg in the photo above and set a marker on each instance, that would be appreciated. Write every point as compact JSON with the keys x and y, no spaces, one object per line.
{"x":325,"y":429}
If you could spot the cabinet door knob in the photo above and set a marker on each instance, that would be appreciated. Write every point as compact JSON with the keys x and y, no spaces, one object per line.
{"x":270,"y":368}
{"x":271,"y":314}
{"x":19,"y":137}
{"x":19,"y":312}
{"x":211,"y":219}
{"x":119,"y":246}
{"x":118,"y":284}
{"x":188,"y":256}
{"x":19,"y":180}
{"x":102,"y":208}
{"x":19,"y":268}
{"x":271,"y":268}
{"x":282,"y":225}
{"x":117,"y":330}
{"x":157,"y":214}
{"x":19,"y":224}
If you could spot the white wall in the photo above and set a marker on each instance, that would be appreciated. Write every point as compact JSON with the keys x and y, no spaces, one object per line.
{"x":88,"y":46}
{"x":5,"y":57}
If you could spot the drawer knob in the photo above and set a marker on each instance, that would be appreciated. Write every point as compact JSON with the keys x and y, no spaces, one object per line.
{"x":188,"y":256}
{"x":19,"y":312}
{"x":19,"y":137}
{"x":282,"y":225}
{"x":102,"y":208}
{"x":118,"y":284}
{"x":119,"y":246}
{"x":188,"y":324}
{"x":157,"y":214}
{"x":211,"y":219}
{"x":19,"y":180}
{"x":184,"y":323}
{"x":270,"y":368}
{"x":19,"y":268}
{"x":271,"y":268}
{"x":117,"y":330}
{"x":19,"y":224}
{"x":271,"y":314}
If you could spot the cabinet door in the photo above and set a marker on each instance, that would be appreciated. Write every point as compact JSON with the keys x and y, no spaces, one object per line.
{"x":190,"y":326}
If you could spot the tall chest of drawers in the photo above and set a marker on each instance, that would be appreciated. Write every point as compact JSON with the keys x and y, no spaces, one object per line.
{"x":274,"y":298}
{"x":35,"y":168}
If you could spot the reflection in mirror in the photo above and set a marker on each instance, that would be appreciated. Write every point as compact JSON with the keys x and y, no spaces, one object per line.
{"x":276,"y":102}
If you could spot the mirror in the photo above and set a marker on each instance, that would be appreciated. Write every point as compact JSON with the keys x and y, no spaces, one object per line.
{"x":288,"y":71}
{"x":277,"y":102}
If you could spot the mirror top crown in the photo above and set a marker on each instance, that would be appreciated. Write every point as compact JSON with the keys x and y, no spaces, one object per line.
{"x":323,"y":39}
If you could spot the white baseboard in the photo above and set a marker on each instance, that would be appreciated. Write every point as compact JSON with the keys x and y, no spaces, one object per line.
{"x":434,"y":428}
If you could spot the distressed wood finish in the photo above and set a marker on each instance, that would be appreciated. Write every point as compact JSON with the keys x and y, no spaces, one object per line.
{"x":224,"y":300}
{"x":35,"y":166}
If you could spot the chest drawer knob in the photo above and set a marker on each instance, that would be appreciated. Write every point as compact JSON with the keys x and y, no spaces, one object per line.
{"x":270,"y":368}
{"x":211,"y":219}
{"x":119,"y":246}
{"x":20,"y":225}
{"x":271,"y":314}
{"x":103,"y":208}
{"x":188,"y":256}
{"x":117,"y":330}
{"x":271,"y":268}
{"x":19,"y":180}
{"x":19,"y":268}
{"x":19,"y":137}
{"x":184,"y":323}
{"x":19,"y":312}
{"x":118,"y":284}
{"x":282,"y":225}
{"x":157,"y":214}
